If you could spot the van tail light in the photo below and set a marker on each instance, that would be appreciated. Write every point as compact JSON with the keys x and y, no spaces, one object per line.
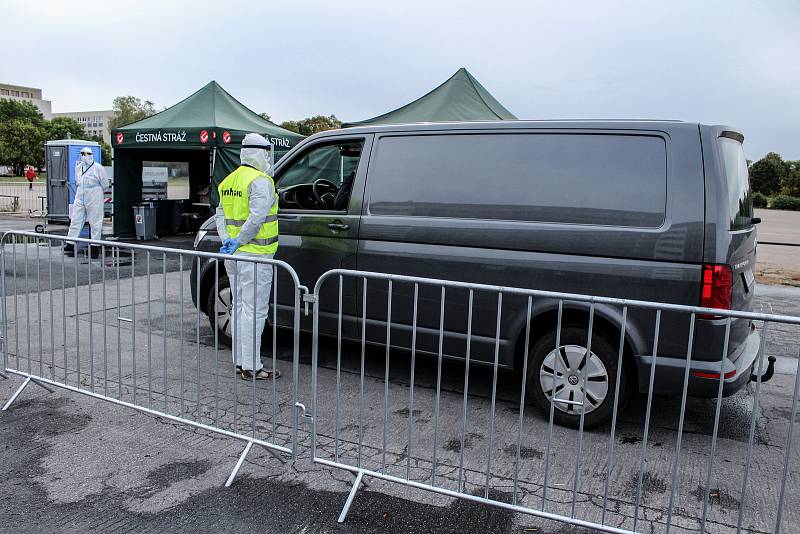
{"x":717,"y":288}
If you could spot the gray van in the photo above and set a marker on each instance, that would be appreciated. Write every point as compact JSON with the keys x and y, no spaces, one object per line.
{"x":650,"y":210}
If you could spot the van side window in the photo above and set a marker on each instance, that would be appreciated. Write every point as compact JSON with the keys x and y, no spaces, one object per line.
{"x":596,"y":179}
{"x":320,"y":178}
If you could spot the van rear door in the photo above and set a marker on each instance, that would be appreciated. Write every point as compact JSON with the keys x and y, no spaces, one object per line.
{"x":742,"y":247}
{"x":728,"y":280}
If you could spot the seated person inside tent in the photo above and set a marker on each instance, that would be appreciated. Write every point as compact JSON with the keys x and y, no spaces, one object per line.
{"x":320,"y":178}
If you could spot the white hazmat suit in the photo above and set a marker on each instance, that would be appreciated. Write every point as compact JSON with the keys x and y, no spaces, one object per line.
{"x":91,"y":181}
{"x":251,"y":283}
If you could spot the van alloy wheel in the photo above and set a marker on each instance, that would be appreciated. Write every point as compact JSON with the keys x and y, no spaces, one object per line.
{"x":579,"y":378}
{"x":599,"y":368}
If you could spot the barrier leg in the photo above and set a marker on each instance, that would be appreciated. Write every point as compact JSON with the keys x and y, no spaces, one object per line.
{"x":16,"y":394}
{"x":351,"y":496}
{"x":241,"y":461}
{"x":43,"y":385}
{"x":239,"y":464}
{"x":3,"y":375}
{"x":275,"y":455}
{"x":27,"y":381}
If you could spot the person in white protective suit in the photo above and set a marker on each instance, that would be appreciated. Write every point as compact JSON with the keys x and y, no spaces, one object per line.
{"x":247,"y":223}
{"x":91,"y":181}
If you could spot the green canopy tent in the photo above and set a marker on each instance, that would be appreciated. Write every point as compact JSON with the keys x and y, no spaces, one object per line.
{"x":460,"y":98}
{"x":204,"y":130}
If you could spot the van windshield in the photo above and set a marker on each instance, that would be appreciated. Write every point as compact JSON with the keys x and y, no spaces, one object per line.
{"x":740,"y":200}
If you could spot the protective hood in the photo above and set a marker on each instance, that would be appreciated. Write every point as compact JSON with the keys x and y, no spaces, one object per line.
{"x":255,"y":152}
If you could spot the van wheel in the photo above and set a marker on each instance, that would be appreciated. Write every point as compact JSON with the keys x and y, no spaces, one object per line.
{"x":219,"y":305}
{"x":579,"y":377}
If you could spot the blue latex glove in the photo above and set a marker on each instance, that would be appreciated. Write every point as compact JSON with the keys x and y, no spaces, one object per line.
{"x":229,"y":246}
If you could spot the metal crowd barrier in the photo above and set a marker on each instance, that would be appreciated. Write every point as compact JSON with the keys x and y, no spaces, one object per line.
{"x":22,"y":197}
{"x":121,"y":327}
{"x":364,"y":433}
{"x":464,"y":430}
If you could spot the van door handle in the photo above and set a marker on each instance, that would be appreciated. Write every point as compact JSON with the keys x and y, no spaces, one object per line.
{"x":338,"y":226}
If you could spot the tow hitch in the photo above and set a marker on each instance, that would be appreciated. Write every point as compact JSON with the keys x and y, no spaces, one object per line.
{"x":768,"y":373}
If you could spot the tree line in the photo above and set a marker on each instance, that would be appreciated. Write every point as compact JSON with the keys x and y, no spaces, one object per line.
{"x":310,"y":125}
{"x":24,"y":130}
{"x":775,"y":182}
{"x":129,"y":109}
{"x":772,"y":175}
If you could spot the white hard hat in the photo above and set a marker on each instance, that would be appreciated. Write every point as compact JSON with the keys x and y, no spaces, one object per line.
{"x":86,"y":150}
{"x":253,"y":140}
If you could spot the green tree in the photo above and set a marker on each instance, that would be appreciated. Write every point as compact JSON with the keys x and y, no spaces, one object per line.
{"x":265,"y":116}
{"x":105,"y":149}
{"x":59,"y":127}
{"x":791,"y":181}
{"x":21,"y":143}
{"x":22,"y":133}
{"x":766,"y":174}
{"x":20,"y":109}
{"x":312,"y":125}
{"x":128,"y":109}
{"x":291,"y":126}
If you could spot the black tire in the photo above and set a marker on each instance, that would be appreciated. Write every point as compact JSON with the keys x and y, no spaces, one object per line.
{"x":573,"y":338}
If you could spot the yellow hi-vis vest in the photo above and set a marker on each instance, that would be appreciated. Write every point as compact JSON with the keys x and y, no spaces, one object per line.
{"x":235,"y":202}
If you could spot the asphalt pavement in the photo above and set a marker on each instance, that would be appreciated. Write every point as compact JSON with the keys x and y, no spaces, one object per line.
{"x":779,"y":247}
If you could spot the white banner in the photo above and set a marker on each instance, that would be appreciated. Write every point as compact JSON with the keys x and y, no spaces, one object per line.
{"x":155,"y":174}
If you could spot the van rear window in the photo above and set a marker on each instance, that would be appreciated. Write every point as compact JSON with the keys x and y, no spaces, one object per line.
{"x":740,"y":200}
{"x":593,"y":179}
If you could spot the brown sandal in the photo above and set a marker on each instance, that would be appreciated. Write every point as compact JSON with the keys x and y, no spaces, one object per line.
{"x":261,"y":374}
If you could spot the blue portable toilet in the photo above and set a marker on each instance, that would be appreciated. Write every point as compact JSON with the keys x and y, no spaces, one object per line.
{"x":60,"y":159}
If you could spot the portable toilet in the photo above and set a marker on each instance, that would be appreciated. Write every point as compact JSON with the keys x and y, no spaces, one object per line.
{"x":60,"y":159}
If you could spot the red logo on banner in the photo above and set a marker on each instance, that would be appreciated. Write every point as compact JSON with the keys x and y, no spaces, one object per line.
{"x":226,"y":137}
{"x":204,"y":136}
{"x":120,"y":138}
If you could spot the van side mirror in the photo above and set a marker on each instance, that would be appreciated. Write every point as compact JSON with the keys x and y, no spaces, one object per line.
{"x":755,"y":220}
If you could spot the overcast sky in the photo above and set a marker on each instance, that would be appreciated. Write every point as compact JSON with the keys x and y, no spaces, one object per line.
{"x":729,"y":62}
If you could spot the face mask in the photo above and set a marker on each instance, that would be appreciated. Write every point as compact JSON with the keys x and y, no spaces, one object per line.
{"x":87,"y":159}
{"x":264,"y":158}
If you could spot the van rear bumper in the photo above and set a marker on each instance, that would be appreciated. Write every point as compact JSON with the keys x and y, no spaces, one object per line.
{"x":703,"y":376}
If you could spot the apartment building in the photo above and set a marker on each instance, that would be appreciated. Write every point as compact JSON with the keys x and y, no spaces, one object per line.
{"x":94,"y":122}
{"x":29,"y":94}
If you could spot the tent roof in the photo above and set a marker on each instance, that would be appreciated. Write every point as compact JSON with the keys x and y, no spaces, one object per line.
{"x":209,"y":107}
{"x":460,"y":98}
